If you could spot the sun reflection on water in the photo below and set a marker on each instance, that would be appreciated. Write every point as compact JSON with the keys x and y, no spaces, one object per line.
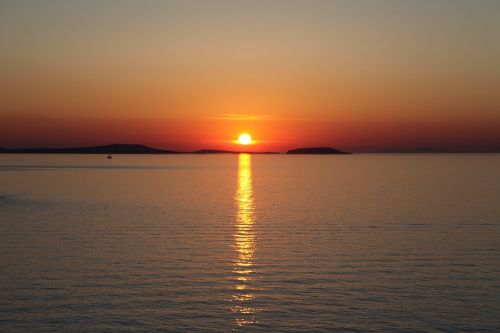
{"x":244,"y":246}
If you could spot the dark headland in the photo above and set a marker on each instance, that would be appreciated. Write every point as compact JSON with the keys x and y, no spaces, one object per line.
{"x":316,"y":150}
{"x":107,"y":149}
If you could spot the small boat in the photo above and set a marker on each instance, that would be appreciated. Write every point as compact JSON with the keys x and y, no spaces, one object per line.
{"x":109,"y":157}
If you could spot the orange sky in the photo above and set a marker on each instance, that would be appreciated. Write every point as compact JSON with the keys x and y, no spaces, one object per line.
{"x":186,"y":75}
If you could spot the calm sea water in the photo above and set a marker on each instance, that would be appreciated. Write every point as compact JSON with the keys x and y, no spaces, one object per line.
{"x":361,"y":243}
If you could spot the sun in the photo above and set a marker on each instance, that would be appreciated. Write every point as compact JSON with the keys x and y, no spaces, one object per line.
{"x":245,"y":139}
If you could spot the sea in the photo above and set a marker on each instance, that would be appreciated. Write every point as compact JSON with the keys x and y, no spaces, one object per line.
{"x":250,"y":243}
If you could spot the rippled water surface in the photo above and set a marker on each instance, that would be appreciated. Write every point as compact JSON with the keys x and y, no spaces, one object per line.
{"x":382,"y":243}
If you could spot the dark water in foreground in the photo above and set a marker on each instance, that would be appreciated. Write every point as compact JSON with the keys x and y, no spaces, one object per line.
{"x":385,"y":243}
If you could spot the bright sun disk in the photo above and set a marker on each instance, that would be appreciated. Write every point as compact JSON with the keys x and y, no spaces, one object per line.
{"x":245,"y":138}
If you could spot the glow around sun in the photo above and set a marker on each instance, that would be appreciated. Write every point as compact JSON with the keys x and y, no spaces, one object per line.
{"x":245,"y":139}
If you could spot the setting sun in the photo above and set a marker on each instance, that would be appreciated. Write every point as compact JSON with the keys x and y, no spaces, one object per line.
{"x":244,"y":139}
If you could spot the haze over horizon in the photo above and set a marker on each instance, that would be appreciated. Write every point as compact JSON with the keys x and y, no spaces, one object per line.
{"x":185,"y":75}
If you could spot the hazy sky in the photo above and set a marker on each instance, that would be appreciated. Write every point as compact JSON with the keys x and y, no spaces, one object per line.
{"x":358,"y":75}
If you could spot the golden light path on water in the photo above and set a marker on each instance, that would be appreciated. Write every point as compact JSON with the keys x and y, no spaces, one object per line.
{"x":244,"y":246}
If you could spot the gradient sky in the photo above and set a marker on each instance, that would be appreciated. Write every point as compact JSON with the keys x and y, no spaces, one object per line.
{"x":356,"y":75}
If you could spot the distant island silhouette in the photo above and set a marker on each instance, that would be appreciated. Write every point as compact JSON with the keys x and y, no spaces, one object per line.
{"x":217,"y":151}
{"x":142,"y":149}
{"x":118,"y":149}
{"x":316,"y":150}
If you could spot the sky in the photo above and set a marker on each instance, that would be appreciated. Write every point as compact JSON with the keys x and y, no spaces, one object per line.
{"x":362,"y":76}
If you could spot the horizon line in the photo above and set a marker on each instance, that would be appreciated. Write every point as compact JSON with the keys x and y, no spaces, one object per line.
{"x":154,"y":150}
